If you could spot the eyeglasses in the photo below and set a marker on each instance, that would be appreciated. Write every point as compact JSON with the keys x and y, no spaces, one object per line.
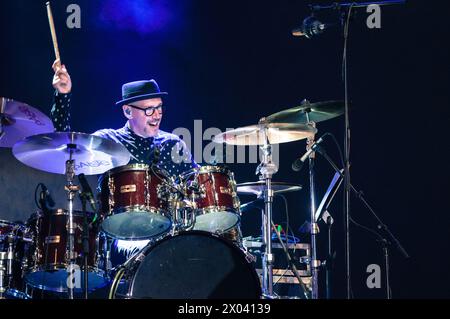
{"x":149,"y":110}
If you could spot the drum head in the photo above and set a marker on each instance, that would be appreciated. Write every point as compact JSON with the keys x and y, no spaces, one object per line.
{"x":194,"y":265}
{"x":56,"y":279}
{"x":15,"y":294}
{"x":136,"y":225}
{"x":217,"y":221}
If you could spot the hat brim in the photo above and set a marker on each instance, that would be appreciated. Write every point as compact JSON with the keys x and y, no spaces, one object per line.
{"x":140,"y":97}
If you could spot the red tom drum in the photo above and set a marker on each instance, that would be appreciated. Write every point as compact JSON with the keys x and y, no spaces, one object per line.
{"x":134,"y":203}
{"x":213,"y":191}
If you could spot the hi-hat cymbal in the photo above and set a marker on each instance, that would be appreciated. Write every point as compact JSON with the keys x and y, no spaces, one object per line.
{"x":276,"y":133}
{"x":257,"y":188}
{"x":317,"y":112}
{"x":92,"y":154}
{"x":19,"y":120}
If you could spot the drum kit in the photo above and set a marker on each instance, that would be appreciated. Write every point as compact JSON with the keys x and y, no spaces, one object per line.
{"x":192,"y":221}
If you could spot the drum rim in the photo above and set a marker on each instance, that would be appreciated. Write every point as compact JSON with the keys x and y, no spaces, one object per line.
{"x":7,"y":222}
{"x":129,"y":167}
{"x":207,"y":169}
{"x":144,"y":252}
{"x":135,"y":238}
{"x":59,"y":212}
{"x":14,"y":225}
{"x":141,"y":208}
{"x":54,"y":267}
{"x":218,"y":209}
{"x":17,"y":293}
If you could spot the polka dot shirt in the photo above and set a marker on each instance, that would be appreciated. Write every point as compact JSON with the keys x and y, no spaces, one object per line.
{"x":165,"y":150}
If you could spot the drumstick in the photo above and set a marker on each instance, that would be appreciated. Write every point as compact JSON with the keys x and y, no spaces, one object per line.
{"x":52,"y":30}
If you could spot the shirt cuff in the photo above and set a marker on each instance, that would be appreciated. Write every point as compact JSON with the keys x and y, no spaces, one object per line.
{"x":62,"y":98}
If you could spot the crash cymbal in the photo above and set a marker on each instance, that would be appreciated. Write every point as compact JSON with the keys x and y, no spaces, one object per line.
{"x":92,"y":154}
{"x":257,"y":188}
{"x":19,"y":120}
{"x":317,"y":112}
{"x":276,"y":133}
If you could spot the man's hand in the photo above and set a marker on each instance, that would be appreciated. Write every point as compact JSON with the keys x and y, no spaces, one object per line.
{"x":61,"y":79}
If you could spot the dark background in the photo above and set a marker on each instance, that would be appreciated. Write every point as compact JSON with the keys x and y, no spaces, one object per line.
{"x":229,"y":63}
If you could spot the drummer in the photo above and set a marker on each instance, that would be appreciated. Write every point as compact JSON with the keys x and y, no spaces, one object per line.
{"x":142,"y":105}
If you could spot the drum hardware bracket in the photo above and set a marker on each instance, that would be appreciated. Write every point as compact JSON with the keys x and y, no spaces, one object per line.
{"x":315,"y":263}
{"x":72,"y":188}
{"x":52,"y":239}
{"x":127,"y":189}
{"x":315,"y":228}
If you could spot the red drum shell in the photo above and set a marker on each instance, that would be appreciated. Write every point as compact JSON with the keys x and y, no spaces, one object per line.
{"x":134,"y":203}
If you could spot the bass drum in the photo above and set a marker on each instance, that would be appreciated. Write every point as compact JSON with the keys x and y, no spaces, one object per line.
{"x":189,"y":265}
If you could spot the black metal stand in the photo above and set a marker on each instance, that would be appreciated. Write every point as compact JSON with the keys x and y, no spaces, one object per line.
{"x":338,"y":5}
{"x":329,"y":262}
{"x":71,"y":190}
{"x":385,"y":245}
{"x":391,"y":239}
{"x":314,"y":230}
{"x":266,"y":169}
{"x":83,"y":198}
{"x":346,"y":9}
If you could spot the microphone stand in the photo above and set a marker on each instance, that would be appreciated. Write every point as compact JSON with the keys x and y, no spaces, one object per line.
{"x":386,"y":242}
{"x":314,"y":262}
{"x":347,"y":184}
{"x":338,"y":5}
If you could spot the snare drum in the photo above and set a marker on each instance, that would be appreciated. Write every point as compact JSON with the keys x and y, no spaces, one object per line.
{"x":213,"y":190}
{"x":134,"y":203}
{"x":48,"y":260}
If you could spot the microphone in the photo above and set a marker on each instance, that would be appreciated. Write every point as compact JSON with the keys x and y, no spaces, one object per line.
{"x":298,"y":163}
{"x":87,"y":191}
{"x":46,"y":196}
{"x":309,"y":28}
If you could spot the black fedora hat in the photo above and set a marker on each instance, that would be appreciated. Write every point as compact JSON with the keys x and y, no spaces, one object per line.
{"x":139,"y":90}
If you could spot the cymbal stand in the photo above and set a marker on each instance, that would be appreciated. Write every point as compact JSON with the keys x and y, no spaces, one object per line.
{"x":314,"y":263}
{"x":266,"y":169}
{"x":71,"y":191}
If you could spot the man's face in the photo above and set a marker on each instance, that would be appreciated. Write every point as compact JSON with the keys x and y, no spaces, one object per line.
{"x":142,"y":124}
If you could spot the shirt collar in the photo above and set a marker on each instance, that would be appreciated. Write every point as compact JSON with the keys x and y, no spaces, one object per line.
{"x":130,"y":132}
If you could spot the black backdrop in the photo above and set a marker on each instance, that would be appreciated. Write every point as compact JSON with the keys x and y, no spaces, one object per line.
{"x":229,"y":63}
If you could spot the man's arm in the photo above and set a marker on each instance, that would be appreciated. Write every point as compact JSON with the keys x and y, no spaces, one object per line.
{"x":60,"y":112}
